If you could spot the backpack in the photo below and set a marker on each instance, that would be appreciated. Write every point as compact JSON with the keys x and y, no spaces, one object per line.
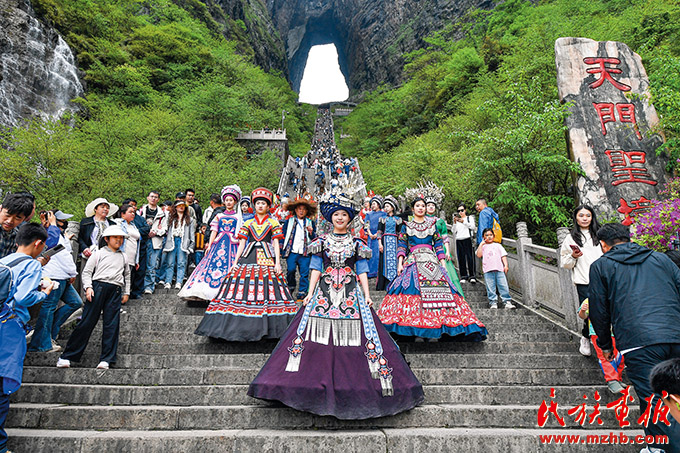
{"x":7,"y":283}
{"x":497,"y":231}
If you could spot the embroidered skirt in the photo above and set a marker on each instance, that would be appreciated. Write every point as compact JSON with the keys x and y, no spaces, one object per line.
{"x":332,"y":368}
{"x":252,"y":304}
{"x":204,"y":283}
{"x":423,"y":302}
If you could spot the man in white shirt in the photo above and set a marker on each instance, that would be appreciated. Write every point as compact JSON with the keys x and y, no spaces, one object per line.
{"x":465,"y":226}
{"x":299,"y":231}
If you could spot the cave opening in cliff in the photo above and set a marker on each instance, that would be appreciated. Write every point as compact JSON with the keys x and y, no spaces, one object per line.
{"x":322,"y":80}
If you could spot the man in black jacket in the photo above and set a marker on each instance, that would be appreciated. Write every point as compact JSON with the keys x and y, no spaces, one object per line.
{"x":637,"y":292}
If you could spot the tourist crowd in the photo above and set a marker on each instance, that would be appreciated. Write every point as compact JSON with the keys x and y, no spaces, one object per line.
{"x":230,"y":254}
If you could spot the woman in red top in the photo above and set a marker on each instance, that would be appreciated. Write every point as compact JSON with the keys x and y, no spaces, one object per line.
{"x":253,"y":302}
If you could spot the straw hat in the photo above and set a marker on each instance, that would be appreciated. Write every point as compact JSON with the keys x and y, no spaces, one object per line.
{"x":114,"y":230}
{"x":89,"y":209}
{"x":307,"y":201}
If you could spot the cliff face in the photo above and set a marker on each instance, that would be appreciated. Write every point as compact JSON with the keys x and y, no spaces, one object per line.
{"x":248,"y":22}
{"x":38,"y":76}
{"x":371,"y":35}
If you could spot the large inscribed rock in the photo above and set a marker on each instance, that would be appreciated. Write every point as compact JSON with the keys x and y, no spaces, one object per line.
{"x":611,"y":126}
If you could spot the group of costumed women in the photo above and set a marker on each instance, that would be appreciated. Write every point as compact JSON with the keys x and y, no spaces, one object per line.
{"x":335,"y":355}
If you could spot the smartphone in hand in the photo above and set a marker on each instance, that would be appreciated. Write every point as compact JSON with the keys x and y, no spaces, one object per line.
{"x":575,"y":248}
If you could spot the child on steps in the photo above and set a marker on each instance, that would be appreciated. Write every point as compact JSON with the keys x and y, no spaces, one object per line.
{"x":106,"y":281}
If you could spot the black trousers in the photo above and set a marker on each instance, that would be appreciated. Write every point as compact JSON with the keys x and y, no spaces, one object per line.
{"x":137,"y":276}
{"x":582,"y":291}
{"x":466,"y":258}
{"x":107,"y":298}
{"x":639,"y":364}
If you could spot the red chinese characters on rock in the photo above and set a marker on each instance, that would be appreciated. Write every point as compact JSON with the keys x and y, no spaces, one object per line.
{"x":626,"y":114}
{"x":626,"y":166}
{"x":633,"y":207}
{"x":605,"y":71}
{"x":623,"y":167}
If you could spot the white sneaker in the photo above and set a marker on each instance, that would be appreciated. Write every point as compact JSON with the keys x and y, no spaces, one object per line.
{"x":494,"y":306}
{"x":584,"y":348}
{"x":509,"y":305}
{"x":103,"y":366}
{"x":178,"y":285}
{"x":161,"y":282}
{"x":167,"y":285}
{"x":63,"y":363}
{"x":148,"y":291}
{"x":462,"y":280}
{"x":473,"y":280}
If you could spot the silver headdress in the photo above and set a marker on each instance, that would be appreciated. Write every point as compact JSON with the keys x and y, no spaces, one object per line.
{"x":427,"y":191}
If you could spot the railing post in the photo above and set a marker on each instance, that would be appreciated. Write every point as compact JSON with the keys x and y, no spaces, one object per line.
{"x":567,"y":287}
{"x":524,"y":257}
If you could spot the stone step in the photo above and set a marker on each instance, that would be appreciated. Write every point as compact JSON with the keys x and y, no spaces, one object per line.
{"x":159,"y":418}
{"x":181,"y":338}
{"x":131,"y":324}
{"x":225,"y":375}
{"x":180,"y":313}
{"x":178,"y":309}
{"x":364,"y":440}
{"x":207,"y":346}
{"x":201,"y":361}
{"x":236,"y":394}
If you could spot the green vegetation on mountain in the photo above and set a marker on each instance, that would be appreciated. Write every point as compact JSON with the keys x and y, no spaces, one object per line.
{"x":166,"y":94}
{"x":480,"y":115}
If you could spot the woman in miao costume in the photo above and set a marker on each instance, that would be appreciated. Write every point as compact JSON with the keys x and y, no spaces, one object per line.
{"x":208,"y":276}
{"x":336,"y":358}
{"x":433,"y":201}
{"x":372,"y":222}
{"x":253,"y":302}
{"x":422,"y":301}
{"x":388,"y":229}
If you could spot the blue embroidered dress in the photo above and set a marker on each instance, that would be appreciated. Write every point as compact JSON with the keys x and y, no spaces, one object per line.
{"x":372,"y":221}
{"x":388,"y":229}
{"x":206,"y":279}
{"x":423,"y":301}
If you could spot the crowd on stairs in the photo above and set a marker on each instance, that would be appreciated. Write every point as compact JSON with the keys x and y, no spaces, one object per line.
{"x":336,"y":355}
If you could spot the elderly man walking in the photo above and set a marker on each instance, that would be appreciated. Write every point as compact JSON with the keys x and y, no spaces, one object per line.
{"x":637,"y":292}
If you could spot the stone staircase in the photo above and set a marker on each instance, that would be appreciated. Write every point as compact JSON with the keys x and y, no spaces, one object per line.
{"x":174,"y":391}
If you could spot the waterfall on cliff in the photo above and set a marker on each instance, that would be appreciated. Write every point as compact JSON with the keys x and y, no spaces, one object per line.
{"x":322,"y":80}
{"x":38,"y":75}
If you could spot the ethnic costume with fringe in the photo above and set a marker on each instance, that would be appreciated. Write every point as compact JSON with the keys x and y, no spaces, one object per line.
{"x":423,"y":301}
{"x":253,"y":302}
{"x":388,"y":229}
{"x":336,"y":358}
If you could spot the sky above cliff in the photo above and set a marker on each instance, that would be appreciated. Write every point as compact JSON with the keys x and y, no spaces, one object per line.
{"x":322,"y":80}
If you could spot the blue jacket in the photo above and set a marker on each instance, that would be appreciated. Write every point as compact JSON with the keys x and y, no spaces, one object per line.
{"x":637,"y":291}
{"x":485,"y":221}
{"x":289,"y":234}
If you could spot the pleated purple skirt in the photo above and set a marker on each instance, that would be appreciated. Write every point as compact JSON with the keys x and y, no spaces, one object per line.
{"x":336,"y":380}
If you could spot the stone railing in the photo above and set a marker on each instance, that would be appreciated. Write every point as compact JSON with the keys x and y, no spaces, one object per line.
{"x":536,"y":278}
{"x":273,"y":134}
